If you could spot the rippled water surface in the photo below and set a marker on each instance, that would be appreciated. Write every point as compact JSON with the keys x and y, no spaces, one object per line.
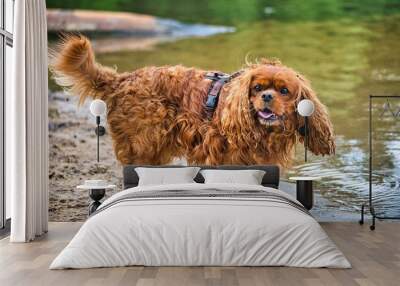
{"x":347,"y":50}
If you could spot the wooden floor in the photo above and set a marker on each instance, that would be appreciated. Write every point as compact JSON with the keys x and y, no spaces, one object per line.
{"x":375,"y":257}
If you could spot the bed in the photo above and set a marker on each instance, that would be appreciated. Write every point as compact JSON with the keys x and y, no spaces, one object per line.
{"x":198,"y":224}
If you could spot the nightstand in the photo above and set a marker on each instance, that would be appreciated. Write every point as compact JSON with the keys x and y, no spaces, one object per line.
{"x":97,"y":190}
{"x":304,"y":190}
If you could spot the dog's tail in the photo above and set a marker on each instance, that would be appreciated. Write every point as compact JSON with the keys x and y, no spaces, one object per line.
{"x":74,"y":67}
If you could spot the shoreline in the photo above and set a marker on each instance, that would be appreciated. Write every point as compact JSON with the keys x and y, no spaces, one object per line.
{"x":121,"y":31}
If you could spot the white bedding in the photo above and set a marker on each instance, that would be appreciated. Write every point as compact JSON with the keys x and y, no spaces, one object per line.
{"x":192,"y":231}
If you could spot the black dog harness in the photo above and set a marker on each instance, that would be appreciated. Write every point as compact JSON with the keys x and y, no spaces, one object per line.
{"x":219,"y":79}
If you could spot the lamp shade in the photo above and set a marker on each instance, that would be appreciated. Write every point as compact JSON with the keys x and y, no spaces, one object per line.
{"x":98,"y":107}
{"x":305,"y":107}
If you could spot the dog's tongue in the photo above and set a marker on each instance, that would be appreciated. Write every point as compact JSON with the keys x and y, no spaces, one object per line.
{"x":265,"y":114}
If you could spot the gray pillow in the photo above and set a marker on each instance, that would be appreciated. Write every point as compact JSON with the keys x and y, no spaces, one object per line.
{"x":166,"y":176}
{"x":248,"y":177}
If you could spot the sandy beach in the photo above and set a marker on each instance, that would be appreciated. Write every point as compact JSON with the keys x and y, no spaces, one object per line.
{"x":73,"y":158}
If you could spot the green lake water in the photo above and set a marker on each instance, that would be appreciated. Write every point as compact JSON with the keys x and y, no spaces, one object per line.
{"x":348,"y":49}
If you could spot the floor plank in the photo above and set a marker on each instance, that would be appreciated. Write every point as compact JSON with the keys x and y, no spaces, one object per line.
{"x":375,"y":257}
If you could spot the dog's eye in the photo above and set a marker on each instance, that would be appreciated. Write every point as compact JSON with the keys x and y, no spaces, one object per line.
{"x":258,"y":87}
{"x":284,"y":91}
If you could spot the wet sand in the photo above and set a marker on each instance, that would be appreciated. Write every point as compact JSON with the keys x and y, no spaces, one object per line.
{"x":73,"y":158}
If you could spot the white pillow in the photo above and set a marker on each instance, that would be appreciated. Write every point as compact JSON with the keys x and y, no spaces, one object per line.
{"x":248,"y":177}
{"x":165,"y":176}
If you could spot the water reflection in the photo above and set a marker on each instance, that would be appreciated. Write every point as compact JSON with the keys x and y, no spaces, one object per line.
{"x":346,"y":61}
{"x":348,"y":49}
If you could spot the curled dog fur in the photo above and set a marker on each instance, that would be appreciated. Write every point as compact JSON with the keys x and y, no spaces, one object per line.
{"x":156,"y":114}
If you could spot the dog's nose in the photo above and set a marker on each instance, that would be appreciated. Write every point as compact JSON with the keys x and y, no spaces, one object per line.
{"x":267,"y":97}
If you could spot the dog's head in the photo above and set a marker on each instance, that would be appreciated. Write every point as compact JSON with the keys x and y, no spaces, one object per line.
{"x":264,"y":98}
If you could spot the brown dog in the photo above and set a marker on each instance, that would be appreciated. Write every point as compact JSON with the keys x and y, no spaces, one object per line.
{"x":156,"y":114}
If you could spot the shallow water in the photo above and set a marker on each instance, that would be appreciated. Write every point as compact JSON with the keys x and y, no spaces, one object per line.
{"x":348,"y":52}
{"x":346,"y":61}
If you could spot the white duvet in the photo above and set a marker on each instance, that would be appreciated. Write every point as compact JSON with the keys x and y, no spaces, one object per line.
{"x":200,"y":231}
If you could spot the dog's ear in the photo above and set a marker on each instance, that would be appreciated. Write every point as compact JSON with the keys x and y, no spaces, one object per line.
{"x":321,"y":139}
{"x":236,"y":120}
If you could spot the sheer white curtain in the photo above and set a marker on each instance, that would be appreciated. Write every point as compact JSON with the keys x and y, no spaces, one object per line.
{"x":27,"y":123}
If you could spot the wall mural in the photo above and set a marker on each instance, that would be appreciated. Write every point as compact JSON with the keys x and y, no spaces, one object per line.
{"x":150,"y":68}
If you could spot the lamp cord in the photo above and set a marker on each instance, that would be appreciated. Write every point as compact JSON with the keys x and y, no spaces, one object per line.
{"x":98,"y":138}
{"x":305,"y":137}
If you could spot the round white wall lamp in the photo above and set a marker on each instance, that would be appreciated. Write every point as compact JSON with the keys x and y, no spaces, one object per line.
{"x":98,"y":107}
{"x":305,"y":108}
